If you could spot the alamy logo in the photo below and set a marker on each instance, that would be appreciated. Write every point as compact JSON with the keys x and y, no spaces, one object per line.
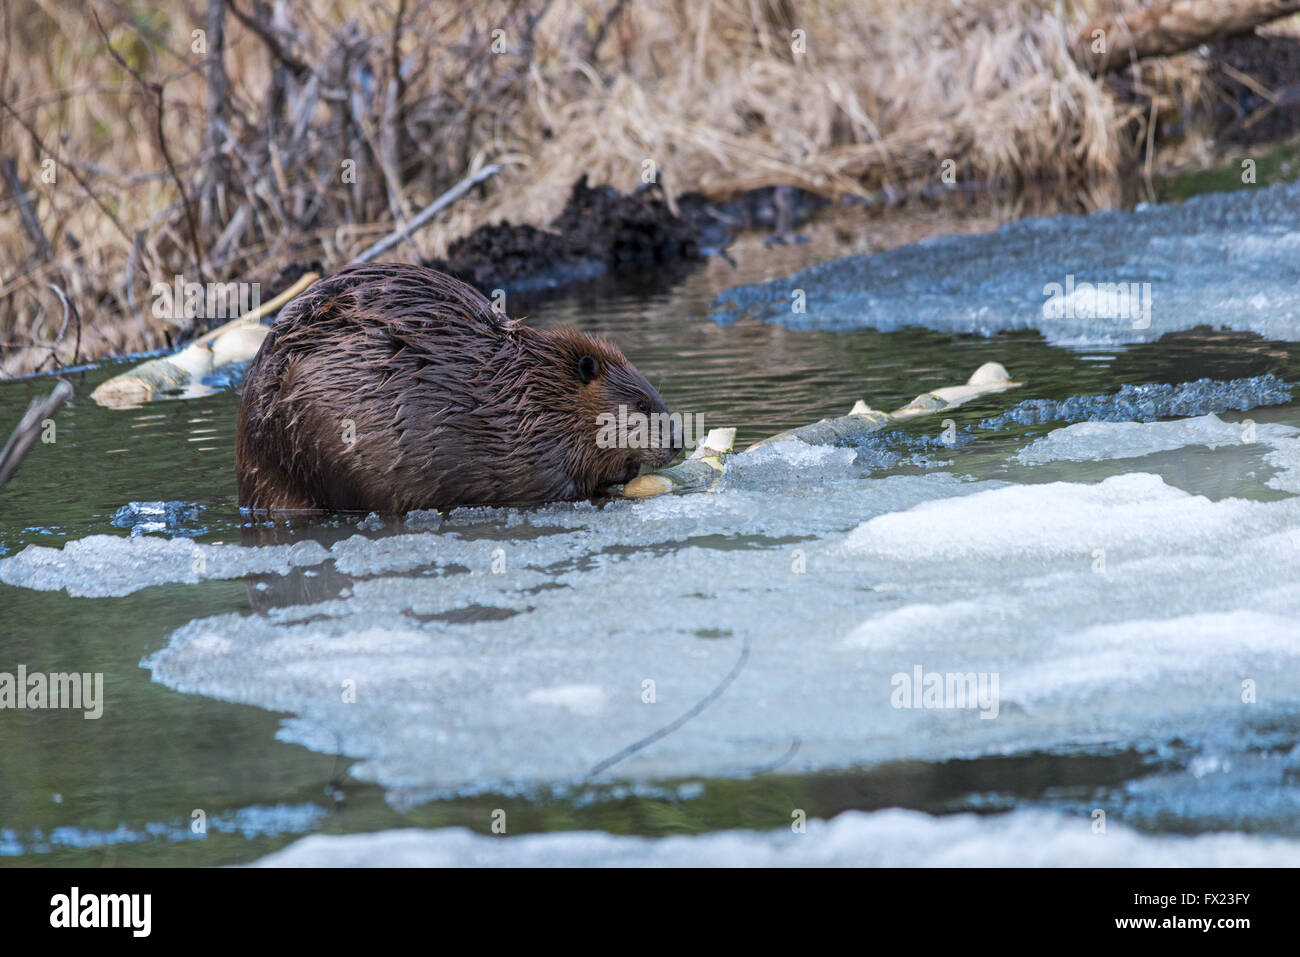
{"x":78,"y":691}
{"x":102,"y":910}
{"x":934,"y":689}
{"x":654,"y":430}
{"x":1099,"y":300}
{"x":182,"y":300}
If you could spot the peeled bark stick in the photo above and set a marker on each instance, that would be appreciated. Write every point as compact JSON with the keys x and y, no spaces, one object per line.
{"x":861,"y":420}
{"x":20,"y":442}
{"x":988,"y":379}
{"x":155,"y":377}
{"x":1167,"y":28}
{"x":235,"y":341}
{"x":701,"y":470}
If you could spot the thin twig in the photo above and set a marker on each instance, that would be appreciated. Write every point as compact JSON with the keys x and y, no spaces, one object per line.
{"x":156,"y":89}
{"x":668,"y":729}
{"x":273,"y":45}
{"x":20,"y":442}
{"x":69,"y":309}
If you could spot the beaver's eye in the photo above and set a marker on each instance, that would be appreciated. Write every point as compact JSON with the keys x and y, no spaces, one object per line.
{"x":642,"y":406}
{"x":588,"y":368}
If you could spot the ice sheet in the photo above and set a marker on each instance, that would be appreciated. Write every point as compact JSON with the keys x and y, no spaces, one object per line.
{"x":1091,"y":441}
{"x":1148,"y":402}
{"x":1228,"y":259}
{"x":100,"y":566}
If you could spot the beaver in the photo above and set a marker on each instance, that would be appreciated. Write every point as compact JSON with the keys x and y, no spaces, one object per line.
{"x":389,"y":387}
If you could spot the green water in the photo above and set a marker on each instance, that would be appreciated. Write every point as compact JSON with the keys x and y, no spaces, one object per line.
{"x":123,"y":789}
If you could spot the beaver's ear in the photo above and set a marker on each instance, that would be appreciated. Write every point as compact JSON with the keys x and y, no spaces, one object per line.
{"x":588,"y":368}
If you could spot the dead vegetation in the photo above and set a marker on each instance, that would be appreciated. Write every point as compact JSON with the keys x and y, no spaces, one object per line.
{"x":224,"y":140}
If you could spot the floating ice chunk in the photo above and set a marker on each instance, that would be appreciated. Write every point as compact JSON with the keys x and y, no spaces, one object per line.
{"x":263,"y":820}
{"x":179,"y":518}
{"x":1146,"y":403}
{"x":891,"y":838}
{"x":106,"y":565}
{"x":253,"y":821}
{"x":1092,"y":441}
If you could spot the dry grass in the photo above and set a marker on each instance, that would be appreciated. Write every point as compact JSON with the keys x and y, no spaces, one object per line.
{"x":709,"y":91}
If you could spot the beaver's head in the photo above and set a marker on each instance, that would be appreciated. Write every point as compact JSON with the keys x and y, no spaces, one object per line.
{"x":613,"y":421}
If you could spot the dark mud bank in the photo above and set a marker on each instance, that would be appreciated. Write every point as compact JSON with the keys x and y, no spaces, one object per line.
{"x":601,"y":229}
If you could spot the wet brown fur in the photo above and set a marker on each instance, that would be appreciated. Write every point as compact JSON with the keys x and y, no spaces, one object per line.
{"x":450,"y":402}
